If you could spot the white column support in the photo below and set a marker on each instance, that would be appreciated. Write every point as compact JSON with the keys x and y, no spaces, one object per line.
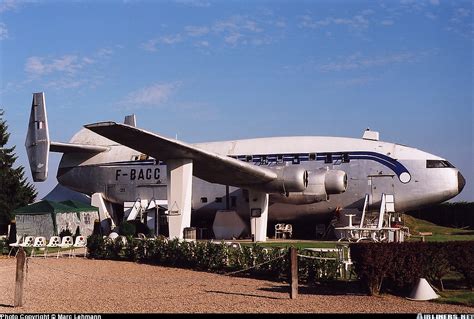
{"x":180,"y":176}
{"x":105,"y":210}
{"x":258,"y":204}
{"x":97,"y":200}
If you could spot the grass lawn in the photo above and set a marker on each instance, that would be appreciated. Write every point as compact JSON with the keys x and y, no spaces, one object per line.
{"x":440,"y":233}
{"x":458,"y":297}
{"x":297,"y":244}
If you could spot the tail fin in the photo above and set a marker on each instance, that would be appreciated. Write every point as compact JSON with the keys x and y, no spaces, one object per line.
{"x":37,"y":139}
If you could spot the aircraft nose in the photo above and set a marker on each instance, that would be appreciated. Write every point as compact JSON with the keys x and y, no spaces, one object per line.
{"x":461,"y":182}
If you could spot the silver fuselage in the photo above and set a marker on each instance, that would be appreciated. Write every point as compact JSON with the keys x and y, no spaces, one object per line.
{"x":373,"y":167}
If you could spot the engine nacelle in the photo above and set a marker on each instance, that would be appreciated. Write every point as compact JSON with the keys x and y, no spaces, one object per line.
{"x":321,"y":183}
{"x":289,"y":179}
{"x":335,"y":182}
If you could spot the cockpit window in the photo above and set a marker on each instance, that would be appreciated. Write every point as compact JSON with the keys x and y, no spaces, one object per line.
{"x":438,"y":164}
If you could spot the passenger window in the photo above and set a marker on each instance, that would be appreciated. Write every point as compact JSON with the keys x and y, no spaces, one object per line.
{"x":312,"y":156}
{"x":328,"y":159}
{"x":345,"y":158}
{"x":203,"y":199}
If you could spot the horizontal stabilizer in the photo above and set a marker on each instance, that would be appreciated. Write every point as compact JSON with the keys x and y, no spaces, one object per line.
{"x":38,"y":144}
{"x":76,"y":148}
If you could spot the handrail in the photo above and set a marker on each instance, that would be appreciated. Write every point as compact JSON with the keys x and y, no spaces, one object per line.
{"x":382,"y":211}
{"x":366,"y":203}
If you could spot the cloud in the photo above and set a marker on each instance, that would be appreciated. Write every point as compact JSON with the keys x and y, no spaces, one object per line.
{"x":105,"y":52}
{"x":203,"y":44}
{"x":434,"y":2}
{"x":150,"y":96}
{"x":194,"y":3}
{"x":171,"y":39}
{"x":233,"y":38}
{"x":8,"y":5}
{"x":195,"y":31}
{"x":357,"y":61}
{"x":232,"y":31}
{"x":67,"y":71}
{"x":38,"y":66}
{"x":461,"y":22}
{"x":236,"y":23}
{"x":3,"y":31}
{"x":387,"y":22}
{"x":357,"y":22}
{"x":358,"y":81}
{"x":152,"y":44}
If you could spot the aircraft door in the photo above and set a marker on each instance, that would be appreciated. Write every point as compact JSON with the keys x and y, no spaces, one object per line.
{"x":378,"y":185}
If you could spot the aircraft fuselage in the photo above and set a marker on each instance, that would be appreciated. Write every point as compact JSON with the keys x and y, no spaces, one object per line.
{"x":373,"y":167}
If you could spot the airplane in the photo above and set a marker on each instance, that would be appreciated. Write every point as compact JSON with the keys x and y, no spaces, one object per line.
{"x":299,"y":179}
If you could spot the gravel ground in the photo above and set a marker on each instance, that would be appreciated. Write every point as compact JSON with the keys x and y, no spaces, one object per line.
{"x":80,"y":285}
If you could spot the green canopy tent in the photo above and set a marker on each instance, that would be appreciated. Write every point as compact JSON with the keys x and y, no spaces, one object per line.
{"x":48,"y":218}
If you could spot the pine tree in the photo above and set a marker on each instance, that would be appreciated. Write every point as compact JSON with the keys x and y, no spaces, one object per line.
{"x":15,"y":191}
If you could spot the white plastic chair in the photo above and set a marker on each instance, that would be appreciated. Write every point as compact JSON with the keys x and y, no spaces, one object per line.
{"x":279,"y":230}
{"x":80,"y":242}
{"x":66,"y":242}
{"x":54,"y":242}
{"x":288,"y":230}
{"x":40,"y":242}
{"x":345,"y":264}
{"x":15,"y":245}
{"x":27,"y":242}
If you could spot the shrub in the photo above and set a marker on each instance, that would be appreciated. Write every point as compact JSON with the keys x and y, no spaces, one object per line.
{"x":127,"y":229}
{"x":131,"y":248}
{"x":96,"y":247}
{"x":461,"y":257}
{"x":78,"y":232}
{"x":3,"y":245}
{"x":371,"y":262}
{"x":399,"y":265}
{"x":113,"y":248}
{"x":97,"y":229}
{"x":65,"y":232}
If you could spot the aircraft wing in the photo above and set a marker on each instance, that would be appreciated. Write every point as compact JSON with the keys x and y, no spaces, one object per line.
{"x":209,"y":166}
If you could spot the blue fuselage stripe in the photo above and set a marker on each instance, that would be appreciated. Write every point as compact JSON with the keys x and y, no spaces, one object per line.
{"x":296,"y":158}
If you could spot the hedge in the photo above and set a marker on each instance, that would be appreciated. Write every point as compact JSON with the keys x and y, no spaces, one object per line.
{"x":395,"y":267}
{"x":391,"y":267}
{"x":210,"y":256}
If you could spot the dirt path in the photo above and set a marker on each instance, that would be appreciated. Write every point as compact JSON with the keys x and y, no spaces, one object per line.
{"x":80,"y":285}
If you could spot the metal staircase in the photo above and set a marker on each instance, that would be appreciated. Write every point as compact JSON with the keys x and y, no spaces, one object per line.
{"x":373,"y":225}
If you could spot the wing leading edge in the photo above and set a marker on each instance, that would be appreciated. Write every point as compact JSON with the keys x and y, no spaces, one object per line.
{"x":209,"y":166}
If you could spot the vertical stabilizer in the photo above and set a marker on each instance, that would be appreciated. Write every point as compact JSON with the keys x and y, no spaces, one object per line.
{"x":37,"y":139}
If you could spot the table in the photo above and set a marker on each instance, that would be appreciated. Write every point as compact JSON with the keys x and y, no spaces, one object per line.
{"x":371,"y":233}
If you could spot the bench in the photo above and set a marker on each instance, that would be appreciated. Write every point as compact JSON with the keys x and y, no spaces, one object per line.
{"x":422,"y":235}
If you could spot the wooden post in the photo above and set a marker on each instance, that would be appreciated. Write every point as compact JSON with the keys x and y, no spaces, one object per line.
{"x":294,"y":273}
{"x":20,"y":276}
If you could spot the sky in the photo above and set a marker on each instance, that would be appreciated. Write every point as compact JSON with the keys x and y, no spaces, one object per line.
{"x":206,"y":70}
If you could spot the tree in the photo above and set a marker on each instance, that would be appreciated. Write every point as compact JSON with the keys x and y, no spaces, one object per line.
{"x":15,"y":191}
